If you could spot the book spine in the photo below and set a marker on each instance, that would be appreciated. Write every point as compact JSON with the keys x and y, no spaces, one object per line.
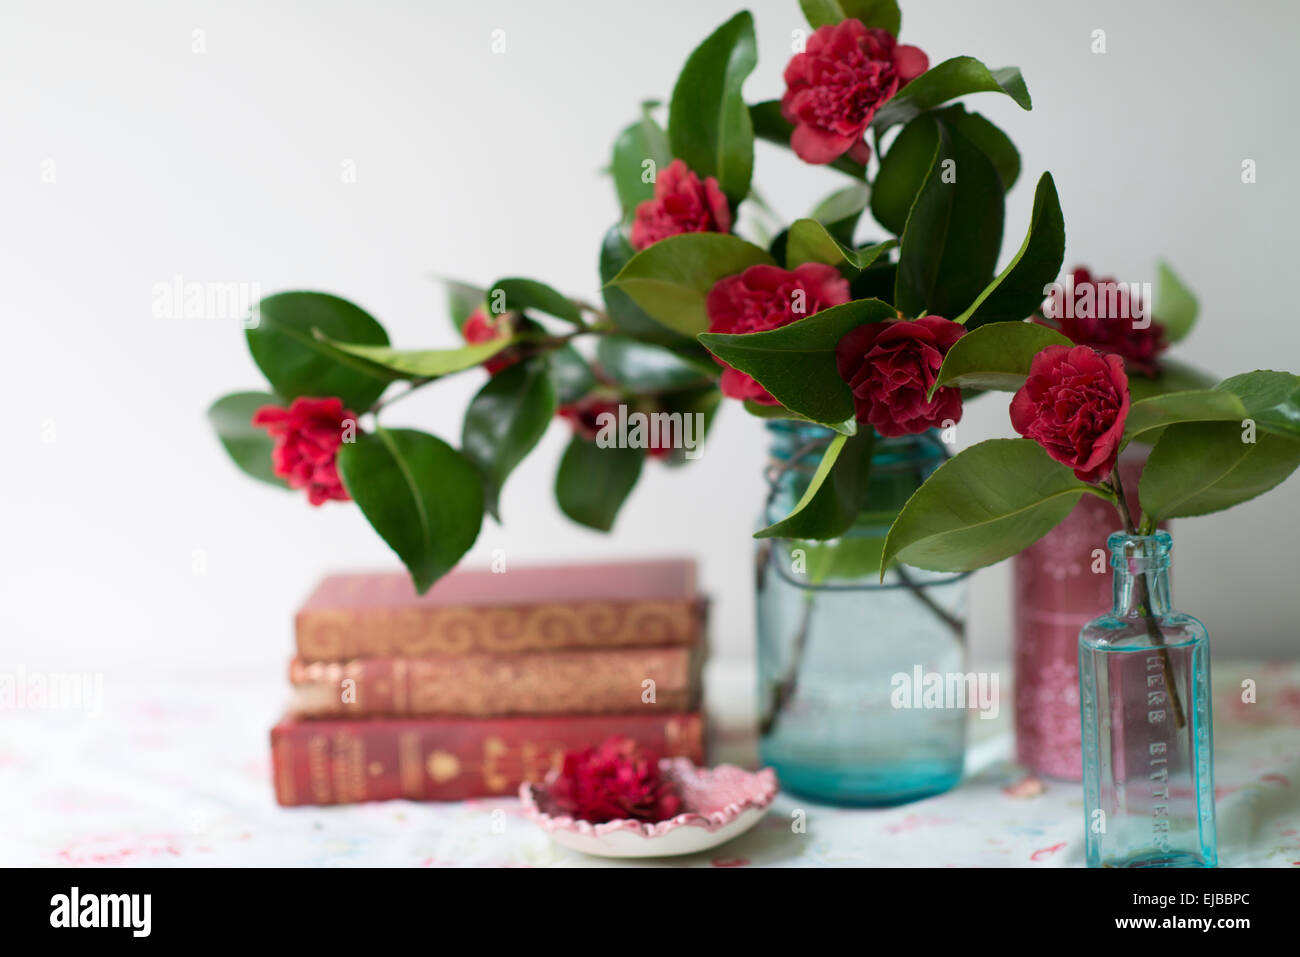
{"x":346,"y":762}
{"x":340,"y":634}
{"x":483,"y":685}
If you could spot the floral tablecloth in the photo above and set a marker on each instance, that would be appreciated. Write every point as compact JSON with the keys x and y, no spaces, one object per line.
{"x":175,"y":771}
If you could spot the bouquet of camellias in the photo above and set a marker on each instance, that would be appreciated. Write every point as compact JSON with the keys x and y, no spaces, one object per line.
{"x":806,"y":323}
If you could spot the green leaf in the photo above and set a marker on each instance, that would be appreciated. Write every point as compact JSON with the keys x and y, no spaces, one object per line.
{"x":1271,"y":399}
{"x":642,"y":367}
{"x":504,"y":421}
{"x":996,"y":356}
{"x":796,"y":363}
{"x":947,"y":81}
{"x":848,"y":427}
{"x":248,"y":446}
{"x":810,"y":242}
{"x":424,"y":363}
{"x":903,"y":170}
{"x":671,"y":279}
{"x":1174,"y":376}
{"x":771,"y":126}
{"x":984,"y":504}
{"x":570,"y":374}
{"x":835,"y":494}
{"x":709,"y":126}
{"x":422,"y":496}
{"x":516,"y":295}
{"x":1157,"y":412}
{"x":615,"y":252}
{"x":705,"y":402}
{"x":641,"y":141}
{"x":593,"y":483}
{"x":1175,"y":306}
{"x":954,"y":231}
{"x":1017,"y":292}
{"x":840,"y":211}
{"x":285,"y":347}
{"x":874,"y":13}
{"x":1202,"y":467}
{"x":988,"y":139}
{"x":462,"y":300}
{"x":852,"y":558}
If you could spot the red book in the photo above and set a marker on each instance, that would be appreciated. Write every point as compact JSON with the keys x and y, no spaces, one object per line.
{"x":553,"y":608}
{"x":499,"y":685}
{"x":451,"y":759}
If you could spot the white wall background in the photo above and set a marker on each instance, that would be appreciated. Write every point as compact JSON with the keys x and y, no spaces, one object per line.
{"x":225,"y":165}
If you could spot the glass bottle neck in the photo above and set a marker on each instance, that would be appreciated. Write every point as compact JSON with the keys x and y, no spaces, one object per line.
{"x":1141,"y":578}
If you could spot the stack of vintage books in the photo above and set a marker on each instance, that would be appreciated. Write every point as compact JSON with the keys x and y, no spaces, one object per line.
{"x":486,"y":680}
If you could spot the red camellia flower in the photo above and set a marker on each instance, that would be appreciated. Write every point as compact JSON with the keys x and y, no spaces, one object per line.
{"x":1074,"y":404}
{"x":615,"y":781}
{"x":682,"y":204}
{"x":768,"y":297}
{"x":307,"y":439}
{"x":1101,"y":313}
{"x":584,"y":415}
{"x":835,"y":86}
{"x":480,"y":328}
{"x":890,"y":366}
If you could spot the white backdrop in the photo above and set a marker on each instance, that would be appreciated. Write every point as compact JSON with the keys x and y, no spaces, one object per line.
{"x":128,"y":159}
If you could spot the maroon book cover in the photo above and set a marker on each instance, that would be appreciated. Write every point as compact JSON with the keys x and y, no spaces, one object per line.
{"x":499,"y":685}
{"x":451,"y":759}
{"x":558,"y":607}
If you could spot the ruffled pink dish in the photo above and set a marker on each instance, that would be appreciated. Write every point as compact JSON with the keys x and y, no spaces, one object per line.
{"x":720,"y":803}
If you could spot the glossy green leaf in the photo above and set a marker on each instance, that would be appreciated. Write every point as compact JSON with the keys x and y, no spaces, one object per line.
{"x":703,"y":402}
{"x":671,"y":279}
{"x":988,"y":139}
{"x":835,"y":494}
{"x":1174,"y":376}
{"x":570,"y":374}
{"x":1202,"y":467}
{"x":423,"y":363}
{"x":285,"y":346}
{"x":903,"y":170}
{"x":592,"y":483}
{"x":986,"y":503}
{"x":248,"y":446}
{"x":778,"y":412}
{"x":1175,"y":306}
{"x":1270,"y":399}
{"x":1206,"y":405}
{"x":516,"y":295}
{"x":874,"y":13}
{"x":954,"y":231}
{"x":840,"y":211}
{"x":422,"y":496}
{"x":709,"y":126}
{"x":810,"y":242}
{"x":796,"y":363}
{"x":615,"y":252}
{"x":643,"y":367}
{"x":947,"y":81}
{"x":1017,"y":292}
{"x":505,"y":421}
{"x":642,"y":141}
{"x":771,"y":126}
{"x":996,"y":356}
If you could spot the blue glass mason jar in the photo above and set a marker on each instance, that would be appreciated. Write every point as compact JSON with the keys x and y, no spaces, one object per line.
{"x":1148,"y":739}
{"x":840,"y":654}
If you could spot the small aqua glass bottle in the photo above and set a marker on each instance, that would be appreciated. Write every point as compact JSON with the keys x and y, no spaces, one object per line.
{"x":1148,"y":740}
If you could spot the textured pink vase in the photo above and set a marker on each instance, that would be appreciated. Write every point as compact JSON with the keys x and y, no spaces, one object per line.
{"x":1057,"y":590}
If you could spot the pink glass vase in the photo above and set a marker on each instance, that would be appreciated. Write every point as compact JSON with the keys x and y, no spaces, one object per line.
{"x":1058,"y":589}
